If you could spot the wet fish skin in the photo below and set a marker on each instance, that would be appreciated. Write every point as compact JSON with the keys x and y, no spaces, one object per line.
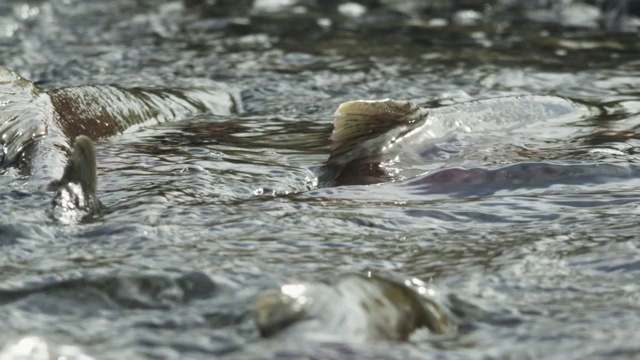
{"x":376,"y":141}
{"x":37,"y":126}
{"x":76,"y":191}
{"x":364,"y":133}
{"x":354,"y":308}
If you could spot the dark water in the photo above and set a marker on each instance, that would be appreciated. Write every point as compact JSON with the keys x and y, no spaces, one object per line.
{"x":206,"y":213}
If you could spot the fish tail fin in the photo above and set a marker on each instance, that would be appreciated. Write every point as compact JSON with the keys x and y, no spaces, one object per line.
{"x":82,"y":165}
{"x":77,"y":187}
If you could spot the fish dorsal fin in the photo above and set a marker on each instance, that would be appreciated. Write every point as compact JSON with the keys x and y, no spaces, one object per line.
{"x":359,"y":121}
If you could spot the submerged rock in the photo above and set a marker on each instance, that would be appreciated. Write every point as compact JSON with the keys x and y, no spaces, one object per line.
{"x":354,"y":309}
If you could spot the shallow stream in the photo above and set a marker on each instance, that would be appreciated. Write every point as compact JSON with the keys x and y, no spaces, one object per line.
{"x":205,"y":213}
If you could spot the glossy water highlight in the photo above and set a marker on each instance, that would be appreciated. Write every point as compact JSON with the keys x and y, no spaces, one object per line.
{"x":206,"y":215}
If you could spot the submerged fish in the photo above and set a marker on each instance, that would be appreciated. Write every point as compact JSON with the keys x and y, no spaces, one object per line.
{"x":372,"y":141}
{"x":355,"y":308}
{"x":388,"y":140}
{"x":381,"y":140}
{"x":37,"y":127}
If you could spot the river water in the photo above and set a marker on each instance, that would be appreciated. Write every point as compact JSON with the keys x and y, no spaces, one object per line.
{"x":203,"y":214}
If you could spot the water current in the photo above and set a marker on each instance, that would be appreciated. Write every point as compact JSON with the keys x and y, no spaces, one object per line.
{"x":204,"y":214}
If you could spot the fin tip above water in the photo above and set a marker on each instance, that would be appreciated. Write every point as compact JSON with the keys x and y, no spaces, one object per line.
{"x":360,"y":120}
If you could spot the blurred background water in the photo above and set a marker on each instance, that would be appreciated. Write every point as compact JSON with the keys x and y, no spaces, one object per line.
{"x":206,"y":213}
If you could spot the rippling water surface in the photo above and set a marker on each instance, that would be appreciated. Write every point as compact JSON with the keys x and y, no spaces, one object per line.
{"x":205,"y":213}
